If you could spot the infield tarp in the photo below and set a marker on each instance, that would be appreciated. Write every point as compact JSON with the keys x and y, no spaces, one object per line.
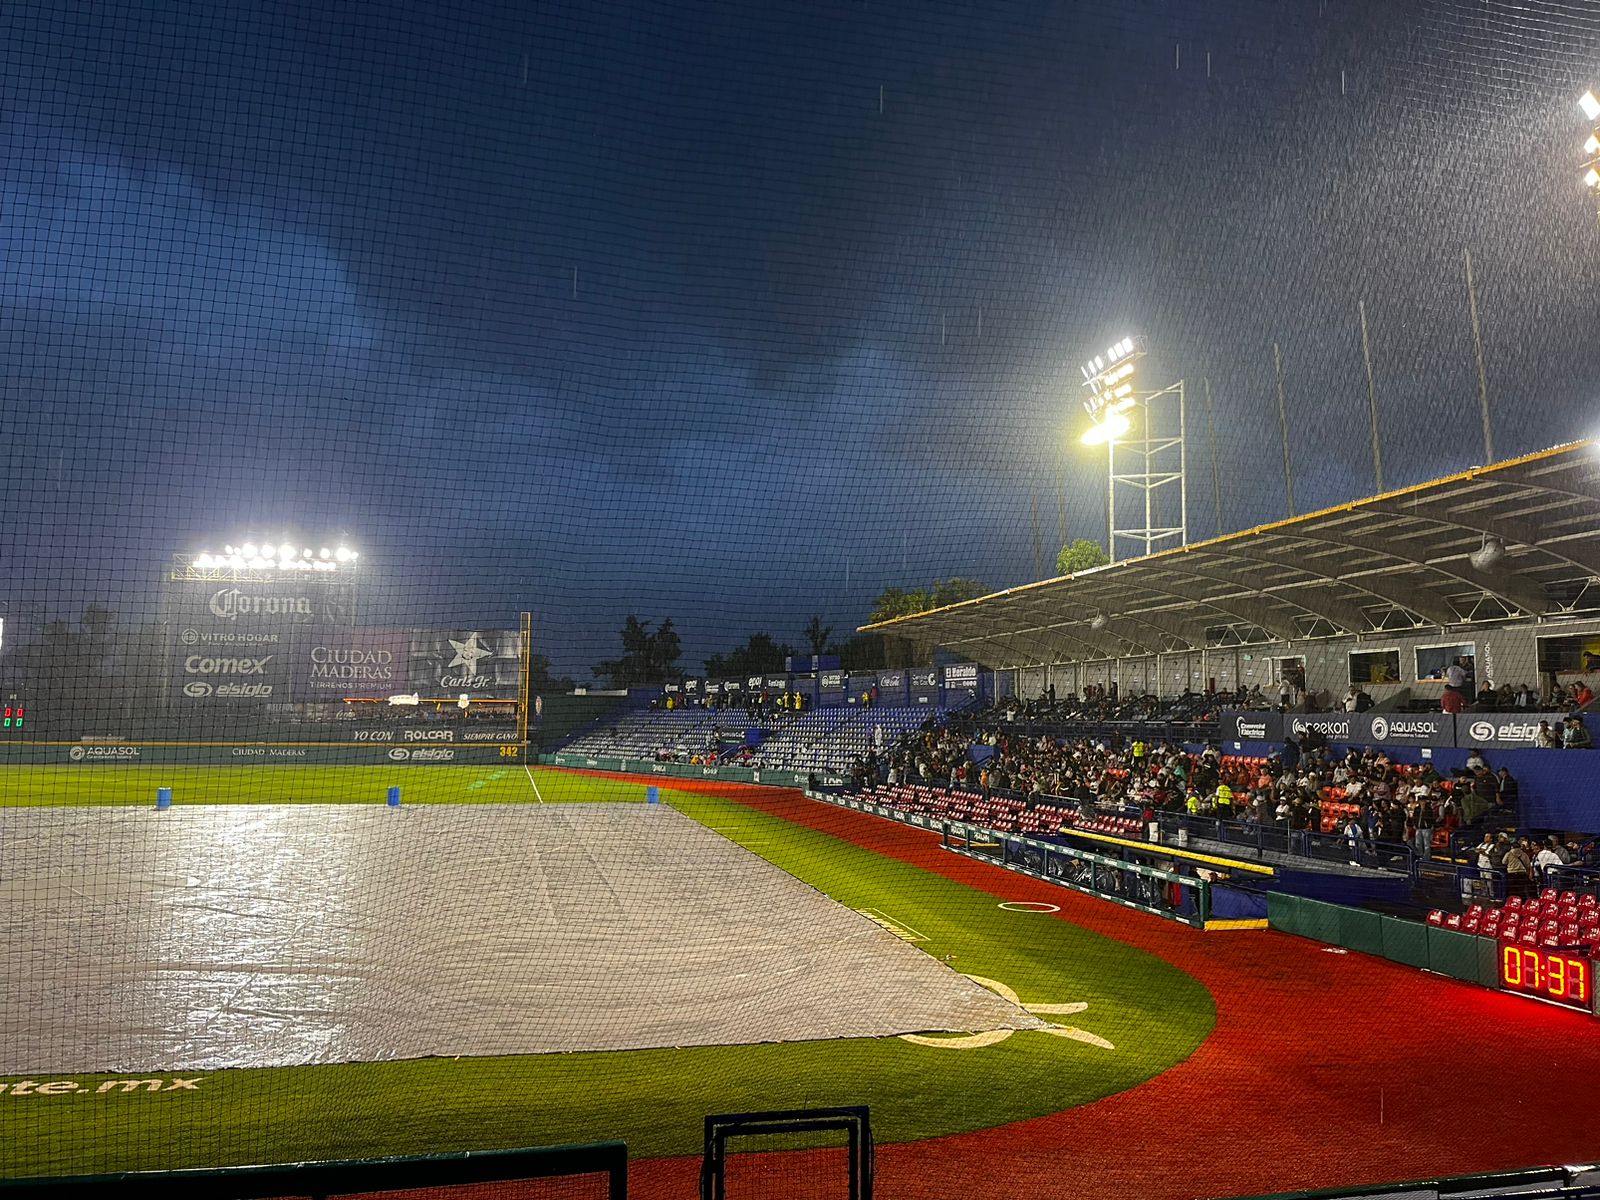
{"x":250,"y":935}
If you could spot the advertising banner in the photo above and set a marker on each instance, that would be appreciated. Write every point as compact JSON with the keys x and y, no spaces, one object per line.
{"x":330,"y":663}
{"x":961,"y":677}
{"x":210,"y":671}
{"x":1407,"y":729}
{"x":483,"y":664}
{"x":1250,"y":727}
{"x":831,"y":681}
{"x":891,"y":687}
{"x":924,"y":685}
{"x":1504,"y":731}
{"x":255,"y":606}
{"x":1487,"y":731}
{"x":1336,"y":727}
{"x":1378,"y":729}
{"x":777,"y":683}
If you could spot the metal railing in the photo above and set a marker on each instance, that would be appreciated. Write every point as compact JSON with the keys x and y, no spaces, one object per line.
{"x":1298,"y":843}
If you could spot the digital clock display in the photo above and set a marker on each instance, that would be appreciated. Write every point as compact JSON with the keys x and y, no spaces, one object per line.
{"x":1548,"y":974}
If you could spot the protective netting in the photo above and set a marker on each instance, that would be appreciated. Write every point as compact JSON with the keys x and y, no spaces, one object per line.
{"x":391,"y":396}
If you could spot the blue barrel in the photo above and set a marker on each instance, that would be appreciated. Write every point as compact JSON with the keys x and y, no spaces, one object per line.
{"x":394,"y":796}
{"x":652,"y":795}
{"x":164,"y":797}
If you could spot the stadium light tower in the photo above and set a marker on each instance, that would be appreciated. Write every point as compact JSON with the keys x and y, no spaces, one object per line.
{"x":1151,"y":461}
{"x":1591,"y":166}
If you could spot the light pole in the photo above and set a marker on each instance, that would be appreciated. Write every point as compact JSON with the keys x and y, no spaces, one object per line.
{"x":1591,"y":166}
{"x":1153,"y":459}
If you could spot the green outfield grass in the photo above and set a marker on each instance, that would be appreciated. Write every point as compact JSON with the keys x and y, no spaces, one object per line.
{"x":117,"y":783}
{"x":1154,"y":1015}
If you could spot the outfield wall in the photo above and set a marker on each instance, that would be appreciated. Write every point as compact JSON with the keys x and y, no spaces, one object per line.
{"x":729,"y":774}
{"x":90,"y":754}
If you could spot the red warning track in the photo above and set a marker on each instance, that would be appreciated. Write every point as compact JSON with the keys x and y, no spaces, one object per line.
{"x":1324,"y":1069}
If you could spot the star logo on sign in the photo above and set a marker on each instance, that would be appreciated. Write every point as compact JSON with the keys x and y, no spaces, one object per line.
{"x":469,"y":651}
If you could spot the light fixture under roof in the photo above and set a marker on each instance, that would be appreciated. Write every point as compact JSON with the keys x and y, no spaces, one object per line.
{"x":1489,"y":555}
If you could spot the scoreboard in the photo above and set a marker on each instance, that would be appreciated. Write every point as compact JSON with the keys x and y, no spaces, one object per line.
{"x":1559,"y":977}
{"x":16,"y":716}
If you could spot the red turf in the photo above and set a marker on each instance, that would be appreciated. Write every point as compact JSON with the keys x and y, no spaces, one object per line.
{"x":1323,"y":1070}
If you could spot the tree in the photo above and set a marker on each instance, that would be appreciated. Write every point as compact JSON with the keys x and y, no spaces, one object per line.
{"x":817,"y":634}
{"x":86,"y":678}
{"x":758,"y":656}
{"x":1081,"y":555}
{"x":956,"y":589}
{"x":897,"y":602}
{"x":863,"y":652}
{"x":647,"y":658}
{"x":540,"y":679}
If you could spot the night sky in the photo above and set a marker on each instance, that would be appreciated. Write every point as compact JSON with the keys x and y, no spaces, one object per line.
{"x":736,"y":312}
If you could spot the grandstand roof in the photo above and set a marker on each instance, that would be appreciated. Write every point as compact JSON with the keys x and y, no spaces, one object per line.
{"x":1388,"y":563}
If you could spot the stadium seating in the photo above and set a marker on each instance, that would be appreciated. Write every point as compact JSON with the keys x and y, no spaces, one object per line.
{"x":1527,"y":924}
{"x":1004,"y":814}
{"x":828,"y":739}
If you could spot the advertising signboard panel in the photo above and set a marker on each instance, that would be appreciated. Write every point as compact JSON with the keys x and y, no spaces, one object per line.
{"x":482,"y":664}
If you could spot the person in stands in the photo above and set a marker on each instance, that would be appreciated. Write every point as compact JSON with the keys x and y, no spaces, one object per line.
{"x":1583,"y":696}
{"x":1575,"y":736}
{"x":1549,"y":856}
{"x":1518,"y":868}
{"x":1546,"y":738}
{"x":1354,"y":834}
{"x":1508,"y":787}
{"x":1452,"y":701}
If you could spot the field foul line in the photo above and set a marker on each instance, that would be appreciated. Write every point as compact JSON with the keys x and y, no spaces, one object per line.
{"x":883,"y":920}
{"x":529,"y":770}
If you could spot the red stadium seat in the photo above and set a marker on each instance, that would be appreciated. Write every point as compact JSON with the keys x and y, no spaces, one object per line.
{"x":1567,"y":897}
{"x":1548,"y":894}
{"x":1588,"y":900}
{"x":1453,"y":921}
{"x":1472,"y":922}
{"x":1571,"y":935}
{"x":1513,"y":903}
{"x":1436,"y":916}
{"x":1530,"y":936}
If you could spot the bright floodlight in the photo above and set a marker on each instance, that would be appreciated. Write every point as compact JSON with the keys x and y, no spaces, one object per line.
{"x":1591,"y":177}
{"x":1592,"y":146}
{"x":1108,"y":429}
{"x":324,"y":553}
{"x":1590,"y":106}
{"x":1489,"y":555}
{"x":249,"y":549}
{"x":342,"y":554}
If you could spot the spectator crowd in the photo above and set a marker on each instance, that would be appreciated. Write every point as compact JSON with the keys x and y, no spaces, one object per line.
{"x":1361,"y":795}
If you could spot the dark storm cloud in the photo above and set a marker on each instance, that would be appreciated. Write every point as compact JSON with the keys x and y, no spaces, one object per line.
{"x":738,"y":312}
